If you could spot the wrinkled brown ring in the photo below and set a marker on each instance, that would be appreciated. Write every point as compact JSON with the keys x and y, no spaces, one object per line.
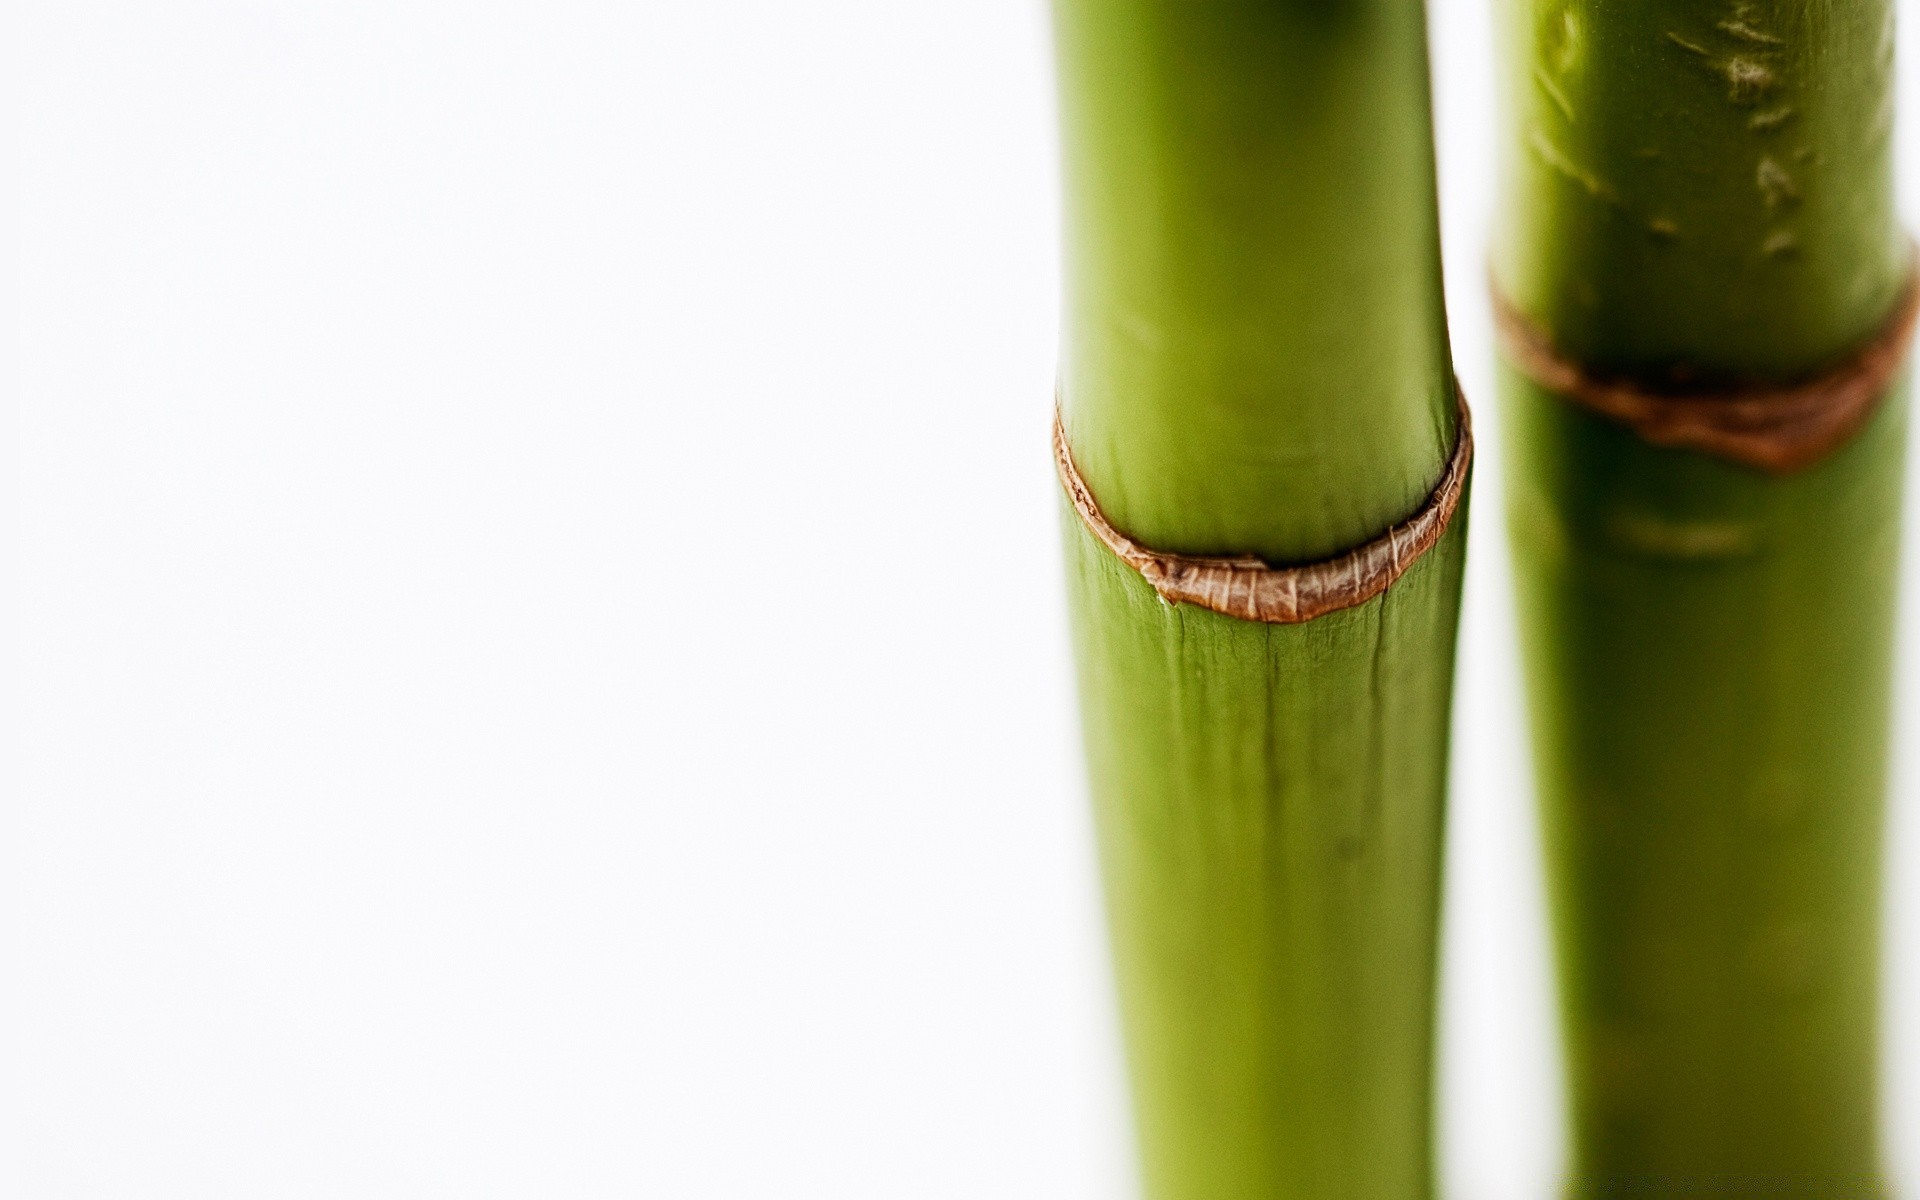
{"x":1253,"y":590}
{"x":1774,"y":427}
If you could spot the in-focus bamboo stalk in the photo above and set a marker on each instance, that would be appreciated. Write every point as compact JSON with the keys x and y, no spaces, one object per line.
{"x":1700,"y":192}
{"x":1255,"y":362}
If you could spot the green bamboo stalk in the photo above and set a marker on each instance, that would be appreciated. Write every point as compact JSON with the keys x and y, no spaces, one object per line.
{"x":1255,"y":361}
{"x":1702,"y":189}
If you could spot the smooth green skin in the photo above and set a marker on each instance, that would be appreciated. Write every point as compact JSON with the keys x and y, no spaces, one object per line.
{"x":1269,"y":803}
{"x":1709,"y":653}
{"x":1708,"y":647}
{"x":1254,"y":358}
{"x":1255,"y":362}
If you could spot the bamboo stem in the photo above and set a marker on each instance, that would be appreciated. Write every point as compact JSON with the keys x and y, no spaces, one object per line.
{"x":1702,"y":191}
{"x":1255,"y":363}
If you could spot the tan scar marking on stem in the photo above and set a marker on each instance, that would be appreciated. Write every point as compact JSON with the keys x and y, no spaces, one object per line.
{"x":1747,"y":80}
{"x":1689,"y":47}
{"x":1766,"y":122}
{"x":1553,"y":92}
{"x":1557,"y":159}
{"x":1775,"y":184}
{"x":1780,"y":244}
{"x":1652,"y":535}
{"x":1748,"y":33}
{"x":1662,"y":227}
{"x":1566,"y":51}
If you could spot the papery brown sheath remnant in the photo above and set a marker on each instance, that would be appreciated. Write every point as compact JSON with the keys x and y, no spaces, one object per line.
{"x":1774,"y":427}
{"x":1254,"y":590}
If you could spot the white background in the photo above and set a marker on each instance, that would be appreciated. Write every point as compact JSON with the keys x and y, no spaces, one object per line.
{"x":543,"y":654}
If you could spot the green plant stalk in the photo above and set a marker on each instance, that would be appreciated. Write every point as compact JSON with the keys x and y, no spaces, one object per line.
{"x":1255,"y":362}
{"x":1705,"y":189}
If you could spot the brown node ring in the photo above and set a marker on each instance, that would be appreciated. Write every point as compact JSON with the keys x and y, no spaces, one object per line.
{"x":1774,"y":427}
{"x":1254,"y":590}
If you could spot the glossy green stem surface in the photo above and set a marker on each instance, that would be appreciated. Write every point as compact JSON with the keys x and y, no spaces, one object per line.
{"x":1703,"y":191}
{"x":1255,"y":362}
{"x":1269,"y":802}
{"x":1254,"y":355}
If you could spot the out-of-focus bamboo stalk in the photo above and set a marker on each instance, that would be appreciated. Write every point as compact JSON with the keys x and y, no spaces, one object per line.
{"x":1700,"y":193}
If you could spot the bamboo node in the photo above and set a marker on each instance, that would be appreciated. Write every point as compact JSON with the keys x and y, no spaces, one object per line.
{"x":1254,"y":590}
{"x":1777,"y":427}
